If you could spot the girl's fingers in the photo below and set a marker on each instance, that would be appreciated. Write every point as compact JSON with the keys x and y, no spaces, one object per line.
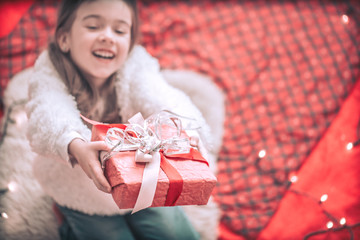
{"x":99,"y":179}
{"x":100,"y":146}
{"x":102,"y":186}
{"x":87,"y":157}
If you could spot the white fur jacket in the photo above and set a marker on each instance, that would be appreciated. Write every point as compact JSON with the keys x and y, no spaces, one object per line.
{"x":54,"y":121}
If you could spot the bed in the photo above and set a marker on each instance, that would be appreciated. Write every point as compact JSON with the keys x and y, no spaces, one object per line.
{"x":289,"y":165}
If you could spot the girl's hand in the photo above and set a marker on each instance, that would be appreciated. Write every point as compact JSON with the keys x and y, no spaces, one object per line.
{"x":87,"y":155}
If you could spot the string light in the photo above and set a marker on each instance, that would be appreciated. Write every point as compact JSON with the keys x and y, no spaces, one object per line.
{"x":293,"y":179}
{"x":12,"y":186}
{"x":349,"y":146}
{"x":4,"y":215}
{"x":8,"y":120}
{"x":262,"y":153}
{"x":345,"y":19}
{"x":20,"y":118}
{"x":329,"y":224}
{"x":323,"y":198}
{"x":341,"y":224}
{"x":19,"y":121}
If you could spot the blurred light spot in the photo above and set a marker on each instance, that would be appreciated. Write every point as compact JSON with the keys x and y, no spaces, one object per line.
{"x":12,"y":186}
{"x":349,"y":146}
{"x":324,"y":198}
{"x":330,"y":224}
{"x":262,"y":153}
{"x":293,"y":179}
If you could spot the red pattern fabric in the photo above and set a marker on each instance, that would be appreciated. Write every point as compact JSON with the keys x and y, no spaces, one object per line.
{"x":331,"y":170}
{"x":286,"y":68}
{"x":11,"y":14}
{"x":20,"y":48}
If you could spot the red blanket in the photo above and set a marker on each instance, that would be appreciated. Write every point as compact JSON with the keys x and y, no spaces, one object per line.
{"x":286,"y":68}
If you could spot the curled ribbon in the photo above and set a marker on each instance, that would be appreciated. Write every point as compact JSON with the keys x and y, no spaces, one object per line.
{"x":159,"y":132}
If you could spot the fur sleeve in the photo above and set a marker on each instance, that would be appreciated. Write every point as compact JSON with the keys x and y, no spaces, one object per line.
{"x":53,"y":116}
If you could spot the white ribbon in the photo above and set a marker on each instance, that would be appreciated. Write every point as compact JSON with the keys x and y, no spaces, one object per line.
{"x":149,"y":182}
{"x":146,"y":137}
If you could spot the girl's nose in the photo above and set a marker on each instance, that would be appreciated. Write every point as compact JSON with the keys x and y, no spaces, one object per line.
{"x":107,"y":35}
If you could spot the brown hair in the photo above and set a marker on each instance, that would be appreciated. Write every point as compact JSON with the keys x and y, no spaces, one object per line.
{"x":86,"y":97}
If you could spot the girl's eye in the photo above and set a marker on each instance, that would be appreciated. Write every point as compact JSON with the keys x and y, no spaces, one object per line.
{"x":92,"y":27}
{"x":118,"y":31}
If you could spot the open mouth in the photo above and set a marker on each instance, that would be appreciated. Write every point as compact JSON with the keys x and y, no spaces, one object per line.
{"x":103,"y":54}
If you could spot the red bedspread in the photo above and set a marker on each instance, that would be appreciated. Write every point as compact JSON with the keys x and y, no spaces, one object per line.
{"x":286,"y":68}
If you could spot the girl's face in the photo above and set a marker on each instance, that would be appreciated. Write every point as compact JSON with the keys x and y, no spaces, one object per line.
{"x":99,"y":39}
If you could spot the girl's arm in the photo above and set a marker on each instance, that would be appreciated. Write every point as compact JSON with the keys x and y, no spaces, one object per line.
{"x":54,"y":120}
{"x":55,"y":129}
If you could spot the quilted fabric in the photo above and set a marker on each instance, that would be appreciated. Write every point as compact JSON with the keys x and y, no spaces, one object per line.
{"x":286,"y":68}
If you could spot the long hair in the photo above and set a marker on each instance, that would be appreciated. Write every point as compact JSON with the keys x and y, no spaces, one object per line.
{"x":87,"y":98}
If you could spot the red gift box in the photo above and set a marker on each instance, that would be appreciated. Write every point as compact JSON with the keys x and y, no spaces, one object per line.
{"x":184,"y":179}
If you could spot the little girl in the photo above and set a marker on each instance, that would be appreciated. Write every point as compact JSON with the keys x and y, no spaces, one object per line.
{"x":94,"y":68}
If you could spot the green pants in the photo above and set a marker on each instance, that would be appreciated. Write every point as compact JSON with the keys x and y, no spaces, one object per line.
{"x":168,"y":223}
